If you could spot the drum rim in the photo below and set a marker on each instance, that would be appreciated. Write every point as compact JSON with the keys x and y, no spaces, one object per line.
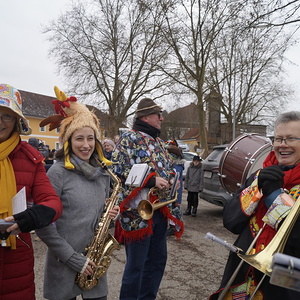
{"x":226,"y":152}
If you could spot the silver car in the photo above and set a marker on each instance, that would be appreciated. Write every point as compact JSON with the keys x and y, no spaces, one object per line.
{"x":213,"y":191}
{"x":188,"y":158}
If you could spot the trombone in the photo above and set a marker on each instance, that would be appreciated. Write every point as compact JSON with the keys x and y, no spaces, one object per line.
{"x":263,"y":259}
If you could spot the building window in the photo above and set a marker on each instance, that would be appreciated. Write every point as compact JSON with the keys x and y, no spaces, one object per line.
{"x":43,"y":129}
{"x":57,"y":145}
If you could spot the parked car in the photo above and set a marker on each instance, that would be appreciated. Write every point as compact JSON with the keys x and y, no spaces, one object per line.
{"x":188,"y":158}
{"x":213,"y":191}
{"x":183,"y":146}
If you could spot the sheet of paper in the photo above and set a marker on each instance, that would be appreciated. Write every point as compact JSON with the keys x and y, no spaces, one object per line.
{"x":19,"y":201}
{"x":137,"y":175}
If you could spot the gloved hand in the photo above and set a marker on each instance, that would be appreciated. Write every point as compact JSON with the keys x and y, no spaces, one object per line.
{"x":37,"y":216}
{"x":270,"y":179}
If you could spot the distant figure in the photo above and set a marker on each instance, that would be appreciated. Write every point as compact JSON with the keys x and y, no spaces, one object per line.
{"x":109,"y":147}
{"x":116,"y":138}
{"x":34,"y":142}
{"x":177,"y":156}
{"x":49,"y":161}
{"x":43,"y":149}
{"x":193,"y":185}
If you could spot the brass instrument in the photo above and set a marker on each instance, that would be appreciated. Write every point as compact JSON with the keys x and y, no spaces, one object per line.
{"x":263,"y":259}
{"x":103,"y":243}
{"x":146,"y":208}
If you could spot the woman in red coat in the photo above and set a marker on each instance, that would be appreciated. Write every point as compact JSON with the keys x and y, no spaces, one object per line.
{"x":21,"y":168}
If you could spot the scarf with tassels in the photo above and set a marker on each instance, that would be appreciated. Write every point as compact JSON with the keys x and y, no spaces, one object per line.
{"x":136,"y":234}
{"x":8,"y":186}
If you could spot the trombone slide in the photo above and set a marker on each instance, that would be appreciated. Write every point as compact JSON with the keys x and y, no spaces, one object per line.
{"x":227,"y":245}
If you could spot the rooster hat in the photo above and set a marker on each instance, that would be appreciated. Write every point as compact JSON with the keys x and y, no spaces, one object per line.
{"x":70,"y":116}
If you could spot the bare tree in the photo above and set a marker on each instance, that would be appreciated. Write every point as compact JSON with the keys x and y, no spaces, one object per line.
{"x":247,"y":72}
{"x":110,"y":49}
{"x":214,"y":51}
{"x":191,"y":30}
{"x":275,"y":13}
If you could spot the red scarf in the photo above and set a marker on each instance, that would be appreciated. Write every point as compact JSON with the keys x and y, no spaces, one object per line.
{"x":291,"y":178}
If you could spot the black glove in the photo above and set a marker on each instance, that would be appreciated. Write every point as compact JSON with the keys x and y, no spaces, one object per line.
{"x":270,"y":179}
{"x":37,"y":216}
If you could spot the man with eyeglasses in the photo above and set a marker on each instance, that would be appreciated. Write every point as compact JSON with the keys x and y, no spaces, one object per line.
{"x":145,"y":240}
{"x":266,"y":198}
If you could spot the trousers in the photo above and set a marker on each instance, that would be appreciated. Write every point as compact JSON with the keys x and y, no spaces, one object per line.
{"x":145,"y":263}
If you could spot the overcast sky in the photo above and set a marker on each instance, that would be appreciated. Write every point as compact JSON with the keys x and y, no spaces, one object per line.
{"x":24,"y":50}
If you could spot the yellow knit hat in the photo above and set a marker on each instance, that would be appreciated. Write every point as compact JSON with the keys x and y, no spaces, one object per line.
{"x":72,"y":115}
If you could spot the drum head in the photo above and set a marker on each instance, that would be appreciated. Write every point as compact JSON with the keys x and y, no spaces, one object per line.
{"x":241,"y":158}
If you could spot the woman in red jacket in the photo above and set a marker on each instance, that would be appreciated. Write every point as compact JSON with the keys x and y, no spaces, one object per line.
{"x":21,"y":168}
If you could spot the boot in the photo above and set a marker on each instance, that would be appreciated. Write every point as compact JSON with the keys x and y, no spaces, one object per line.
{"x":189,"y":208}
{"x":194,"y":212}
{"x":195,"y":206}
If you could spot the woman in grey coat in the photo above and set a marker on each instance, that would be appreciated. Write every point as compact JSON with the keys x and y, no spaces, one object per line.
{"x":193,"y":184}
{"x":83,"y":187}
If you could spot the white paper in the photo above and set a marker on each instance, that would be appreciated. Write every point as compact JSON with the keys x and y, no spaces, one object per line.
{"x":137,"y":175}
{"x":19,"y":201}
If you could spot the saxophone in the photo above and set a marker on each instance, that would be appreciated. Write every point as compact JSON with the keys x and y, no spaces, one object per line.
{"x":103,"y":243}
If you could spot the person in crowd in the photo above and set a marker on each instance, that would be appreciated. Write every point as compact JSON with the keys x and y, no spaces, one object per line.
{"x":193,"y":184}
{"x":266,"y":198}
{"x":34,"y":142}
{"x":49,"y":161}
{"x":43,"y":149}
{"x":83,"y":187}
{"x":145,"y":240}
{"x":21,"y":169}
{"x":116,"y":138}
{"x":109,"y":147}
{"x":177,"y":156}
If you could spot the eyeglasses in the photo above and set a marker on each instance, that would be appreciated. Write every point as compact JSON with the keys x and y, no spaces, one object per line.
{"x":288,"y":141}
{"x":160,"y":114}
{"x":7,"y":118}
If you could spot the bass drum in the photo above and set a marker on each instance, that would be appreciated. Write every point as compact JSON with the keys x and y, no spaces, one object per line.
{"x":241,"y":158}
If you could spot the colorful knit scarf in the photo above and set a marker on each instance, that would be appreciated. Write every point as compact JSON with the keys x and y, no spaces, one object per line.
{"x":7,"y":182}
